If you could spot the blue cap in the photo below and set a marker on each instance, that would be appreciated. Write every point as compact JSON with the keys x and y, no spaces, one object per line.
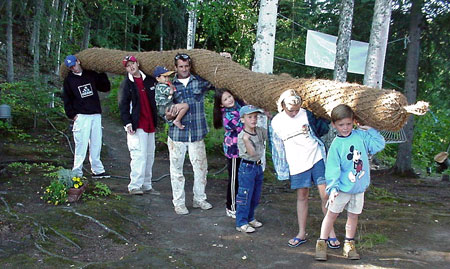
{"x":70,"y":61}
{"x":160,"y":70}
{"x":248,"y":109}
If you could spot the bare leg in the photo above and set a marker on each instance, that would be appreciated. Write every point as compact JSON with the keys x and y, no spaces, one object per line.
{"x":302,"y":213}
{"x":324,"y":199}
{"x":182,"y":109}
{"x":327,"y":224}
{"x":351,"y":225}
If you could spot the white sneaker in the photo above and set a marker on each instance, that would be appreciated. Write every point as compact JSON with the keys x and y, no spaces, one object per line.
{"x":181,"y":210}
{"x":230,"y":213}
{"x":255,"y":224}
{"x":246,"y":229}
{"x":203,"y":205}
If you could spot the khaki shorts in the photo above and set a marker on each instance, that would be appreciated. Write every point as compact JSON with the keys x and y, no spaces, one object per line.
{"x":352,"y":202}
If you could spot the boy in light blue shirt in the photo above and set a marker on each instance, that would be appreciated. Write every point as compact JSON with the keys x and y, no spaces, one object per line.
{"x":347,"y":174}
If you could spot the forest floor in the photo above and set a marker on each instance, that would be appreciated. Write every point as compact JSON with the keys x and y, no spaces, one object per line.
{"x":405,"y":222}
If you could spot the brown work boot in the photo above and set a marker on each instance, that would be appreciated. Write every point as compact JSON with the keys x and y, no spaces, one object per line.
{"x":321,"y":250}
{"x":350,"y":250}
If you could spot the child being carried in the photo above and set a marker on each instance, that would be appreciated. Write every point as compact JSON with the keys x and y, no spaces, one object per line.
{"x":163,"y":96}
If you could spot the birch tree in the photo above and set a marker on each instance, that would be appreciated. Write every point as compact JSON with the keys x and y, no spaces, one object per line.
{"x":9,"y":43}
{"x":36,"y":30}
{"x":192,"y":25}
{"x":403,"y":164}
{"x":379,"y":32}
{"x":265,"y":37}
{"x":60,"y":33}
{"x":52,"y":22}
{"x":343,"y":41}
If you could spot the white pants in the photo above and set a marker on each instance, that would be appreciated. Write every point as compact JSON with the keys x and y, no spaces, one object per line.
{"x":87,"y":130}
{"x":142,"y":152}
{"x":197,"y":156}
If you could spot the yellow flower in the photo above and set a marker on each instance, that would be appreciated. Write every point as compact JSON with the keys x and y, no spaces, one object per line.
{"x":56,"y":203}
{"x":47,"y":190}
{"x":76,"y":186}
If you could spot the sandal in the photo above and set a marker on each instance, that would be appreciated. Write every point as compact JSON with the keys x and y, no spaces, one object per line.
{"x":297,"y":242}
{"x":333,"y":239}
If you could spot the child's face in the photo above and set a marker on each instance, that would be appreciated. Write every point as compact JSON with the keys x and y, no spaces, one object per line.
{"x":162,"y":79}
{"x":133,"y":68}
{"x":227,"y":100}
{"x":344,"y":127}
{"x":250,"y":120}
{"x":292,"y":111}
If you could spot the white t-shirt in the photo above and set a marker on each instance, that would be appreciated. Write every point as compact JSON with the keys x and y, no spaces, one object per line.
{"x":302,"y":151}
{"x":184,"y":81}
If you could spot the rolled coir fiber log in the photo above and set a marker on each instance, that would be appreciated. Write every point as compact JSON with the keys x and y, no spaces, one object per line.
{"x":382,"y":109}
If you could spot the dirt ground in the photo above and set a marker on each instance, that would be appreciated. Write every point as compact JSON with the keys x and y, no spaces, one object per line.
{"x":405,"y":223}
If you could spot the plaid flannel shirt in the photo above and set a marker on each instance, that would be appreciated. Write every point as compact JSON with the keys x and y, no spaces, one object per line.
{"x":194,"y":121}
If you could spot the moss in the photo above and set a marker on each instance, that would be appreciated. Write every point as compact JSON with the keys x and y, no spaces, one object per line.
{"x":18,"y":261}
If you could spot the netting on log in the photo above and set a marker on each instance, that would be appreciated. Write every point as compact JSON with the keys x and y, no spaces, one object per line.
{"x":381,"y":109}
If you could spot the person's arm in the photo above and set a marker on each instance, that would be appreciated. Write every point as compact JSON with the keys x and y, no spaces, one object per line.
{"x":332,"y":170}
{"x":248,"y":145}
{"x":124,"y":105}
{"x":231,"y":121}
{"x":68,"y":97}
{"x":373,"y":140}
{"x":279,"y":157}
{"x":102,"y":82}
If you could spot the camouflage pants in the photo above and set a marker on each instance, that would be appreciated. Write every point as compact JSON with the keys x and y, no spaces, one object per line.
{"x":197,"y":156}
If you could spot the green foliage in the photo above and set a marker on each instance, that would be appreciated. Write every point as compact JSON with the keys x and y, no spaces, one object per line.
{"x":55,"y":193}
{"x":380,"y":194}
{"x":97,"y":191}
{"x":29,"y":102}
{"x":112,"y":101}
{"x":214,"y":139}
{"x":446,"y":172}
{"x":371,"y":240}
{"x":431,"y":136}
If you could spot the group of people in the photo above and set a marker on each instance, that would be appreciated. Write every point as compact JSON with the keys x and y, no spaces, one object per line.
{"x":299,"y":155}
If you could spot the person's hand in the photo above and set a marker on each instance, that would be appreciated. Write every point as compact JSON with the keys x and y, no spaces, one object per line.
{"x":129,"y":130}
{"x":75,"y":118}
{"x":171,"y":113}
{"x":364,"y":127}
{"x":268,"y":114}
{"x":334,"y":193}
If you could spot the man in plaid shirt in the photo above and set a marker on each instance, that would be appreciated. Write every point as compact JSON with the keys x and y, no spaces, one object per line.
{"x":190,"y":89}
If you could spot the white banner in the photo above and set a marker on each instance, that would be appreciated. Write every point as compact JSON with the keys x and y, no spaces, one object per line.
{"x":321,"y":52}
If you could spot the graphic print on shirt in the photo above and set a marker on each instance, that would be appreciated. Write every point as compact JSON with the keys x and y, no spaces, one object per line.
{"x":85,"y":90}
{"x":357,"y":172}
{"x":303,"y":131}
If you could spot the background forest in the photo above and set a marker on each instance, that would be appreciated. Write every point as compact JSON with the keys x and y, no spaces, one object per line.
{"x":40,"y":33}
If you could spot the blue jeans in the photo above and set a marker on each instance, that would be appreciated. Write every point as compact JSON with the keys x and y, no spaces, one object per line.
{"x":250,"y":186}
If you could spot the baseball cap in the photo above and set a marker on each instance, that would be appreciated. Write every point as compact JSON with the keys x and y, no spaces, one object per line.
{"x":128,"y":58}
{"x":290,"y":98}
{"x":160,"y":70}
{"x":70,"y":61}
{"x":248,"y":109}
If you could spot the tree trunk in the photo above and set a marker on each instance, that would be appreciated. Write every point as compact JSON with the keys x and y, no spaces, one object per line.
{"x":86,"y":34}
{"x":343,"y":41}
{"x":161,"y":30}
{"x":403,"y":164}
{"x":36,"y":28}
{"x":379,"y":33}
{"x":33,"y":31}
{"x":72,"y":11}
{"x":140,"y":26}
{"x":192,"y":25}
{"x":9,"y":43}
{"x":61,"y":32}
{"x":52,"y":24}
{"x":265,"y":37}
